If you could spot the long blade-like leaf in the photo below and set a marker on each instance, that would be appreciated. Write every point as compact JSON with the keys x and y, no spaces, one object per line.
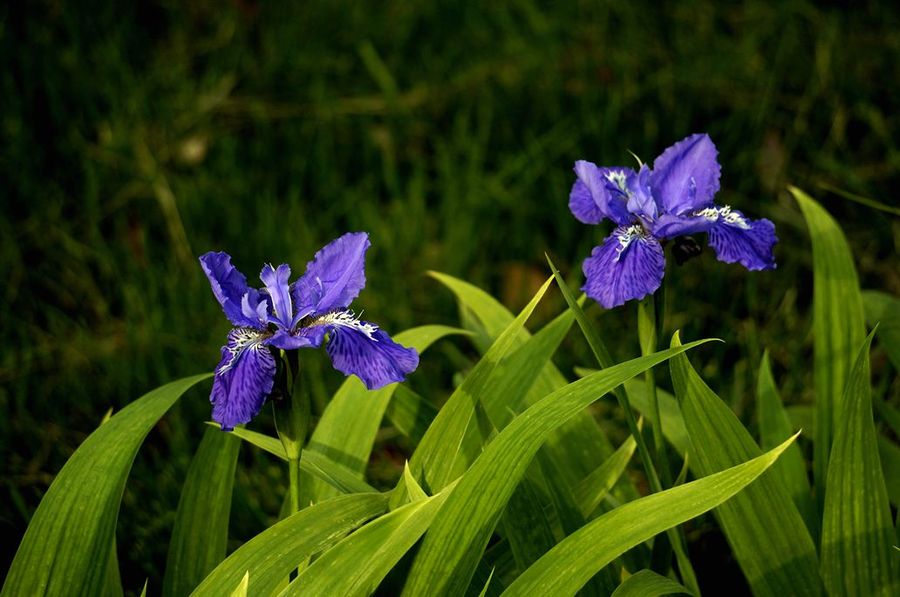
{"x":774,"y":428}
{"x":454,"y":543}
{"x":838,"y":325}
{"x":356,"y":565}
{"x":647,"y":583}
{"x":857,"y":531}
{"x":346,"y":432}
{"x":769,"y":539}
{"x":200,"y":533}
{"x":273,"y":554}
{"x":569,"y":565}
{"x":884,"y":310}
{"x":65,"y":550}
{"x":449,"y":444}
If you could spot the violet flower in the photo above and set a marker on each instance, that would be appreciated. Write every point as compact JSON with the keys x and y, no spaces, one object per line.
{"x":673,"y":199}
{"x":300,"y":315}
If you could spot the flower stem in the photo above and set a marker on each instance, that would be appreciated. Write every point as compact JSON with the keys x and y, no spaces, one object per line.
{"x":648,"y":337}
{"x":292,"y":414}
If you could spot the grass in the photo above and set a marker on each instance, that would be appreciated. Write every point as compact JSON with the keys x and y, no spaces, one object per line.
{"x":137,"y":138}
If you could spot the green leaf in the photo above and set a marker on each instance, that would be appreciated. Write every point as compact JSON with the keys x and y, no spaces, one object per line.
{"x":492,"y":318}
{"x":569,"y":565}
{"x":884,"y":310}
{"x":65,"y":550}
{"x":243,"y":586}
{"x":646,"y":583}
{"x":774,"y":428}
{"x":312,"y":463}
{"x":452,"y":441}
{"x":346,"y":432}
{"x":889,"y":454}
{"x":769,"y":539}
{"x":357,"y":564}
{"x":593,"y":488}
{"x":838,"y":325}
{"x":857,"y":531}
{"x":410,"y":413}
{"x":457,"y":538}
{"x":273,"y":554}
{"x":200,"y":532}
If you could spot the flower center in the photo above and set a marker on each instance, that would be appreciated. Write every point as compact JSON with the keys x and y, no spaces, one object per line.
{"x":626,"y":236}
{"x":344,"y":319}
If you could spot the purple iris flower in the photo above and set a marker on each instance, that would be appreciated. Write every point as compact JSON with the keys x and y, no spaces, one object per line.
{"x":673,"y":199}
{"x":300,"y":315}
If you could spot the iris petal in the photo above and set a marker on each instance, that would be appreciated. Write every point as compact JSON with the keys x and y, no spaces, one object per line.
{"x":748,"y":242}
{"x":373,"y":357}
{"x":628,"y":265}
{"x":334,"y":277}
{"x":243,"y":380}
{"x":607,"y":196}
{"x":669,"y":226}
{"x":239,"y":301}
{"x":276,"y":281}
{"x":686,"y":175}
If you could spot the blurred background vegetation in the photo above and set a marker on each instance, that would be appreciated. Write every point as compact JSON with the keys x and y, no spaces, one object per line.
{"x":136,"y":136}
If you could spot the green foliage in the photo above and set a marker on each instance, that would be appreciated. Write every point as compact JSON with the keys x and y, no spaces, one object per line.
{"x":200,"y":532}
{"x":857,"y":531}
{"x":646,"y":583}
{"x":763,"y":526}
{"x":838,"y":324}
{"x":570,"y":564}
{"x":66,"y":548}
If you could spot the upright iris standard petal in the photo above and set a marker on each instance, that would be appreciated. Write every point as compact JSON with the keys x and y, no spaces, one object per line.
{"x":686,"y":175}
{"x":640,"y":198}
{"x":605,"y":187}
{"x":370,"y":354}
{"x":239,"y":301}
{"x":243,"y":379}
{"x":628,"y":265}
{"x":737,"y":239}
{"x":276,"y":281}
{"x":334,"y":277}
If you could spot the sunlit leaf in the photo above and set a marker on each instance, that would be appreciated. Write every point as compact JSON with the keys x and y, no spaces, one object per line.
{"x":646,"y":583}
{"x":769,"y":539}
{"x":569,"y":565}
{"x":271,"y":555}
{"x":453,"y":545}
{"x":857,"y":531}
{"x":838,"y":325}
{"x":65,"y":549}
{"x":200,"y":532}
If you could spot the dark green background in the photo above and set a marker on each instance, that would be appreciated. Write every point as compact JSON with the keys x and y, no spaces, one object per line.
{"x":135,"y":138}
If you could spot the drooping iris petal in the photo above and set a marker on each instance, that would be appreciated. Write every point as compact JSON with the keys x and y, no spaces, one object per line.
{"x":686,"y":175}
{"x":640,"y":198}
{"x":370,"y":355}
{"x":229,"y":286}
{"x":582,"y":205}
{"x":243,"y":380}
{"x":276,"y":281}
{"x":628,"y":265}
{"x":334,"y":277}
{"x":669,"y":226}
{"x":606,"y":187}
{"x":736,"y":239}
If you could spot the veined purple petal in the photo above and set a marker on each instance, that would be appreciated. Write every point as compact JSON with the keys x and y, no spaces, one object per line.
{"x":582,"y":205}
{"x":640,"y":199}
{"x":628,"y":265}
{"x":737,"y":239}
{"x":240,"y":302}
{"x":370,"y":354}
{"x":286,"y":340}
{"x":276,"y":281}
{"x":244,"y":378}
{"x":686,"y":175}
{"x":669,"y":226}
{"x":606,"y":186}
{"x":334,"y":277}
